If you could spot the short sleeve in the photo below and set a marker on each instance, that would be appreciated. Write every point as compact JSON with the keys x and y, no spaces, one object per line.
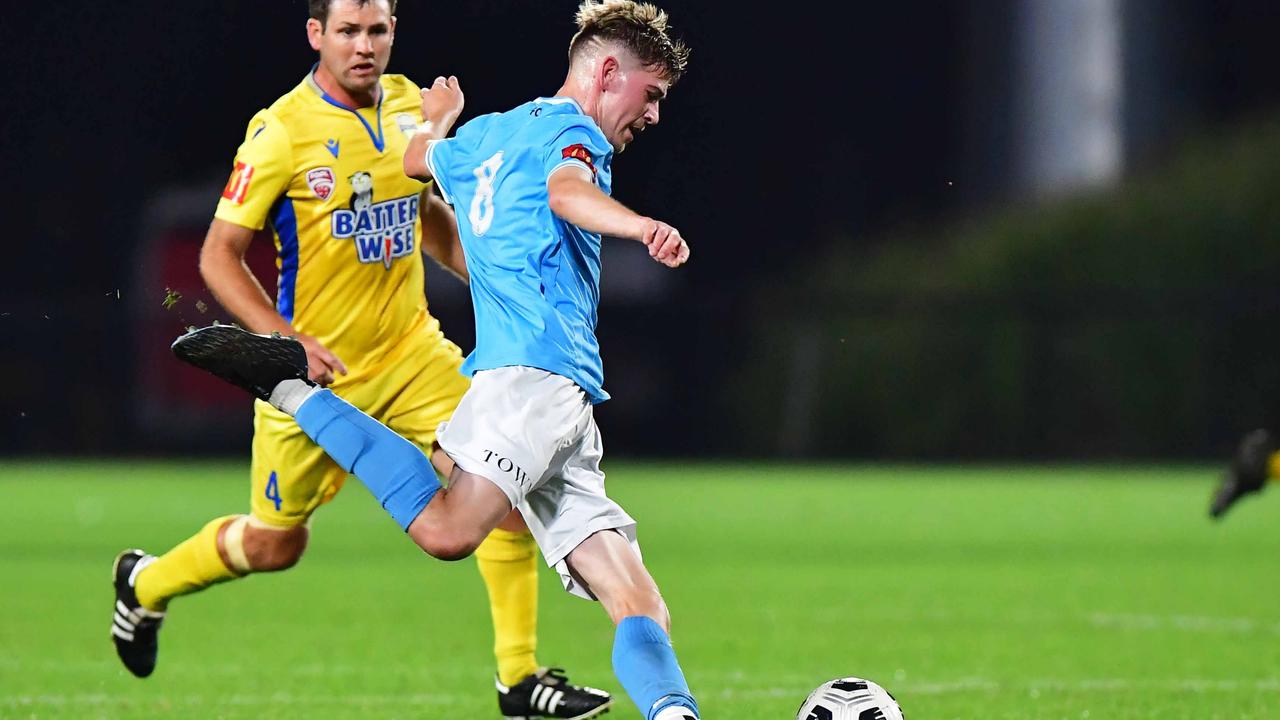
{"x":439,"y":154}
{"x":263,"y":169}
{"x":577,"y":144}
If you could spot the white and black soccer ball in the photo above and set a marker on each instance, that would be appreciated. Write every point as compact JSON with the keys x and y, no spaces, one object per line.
{"x":849,"y":698}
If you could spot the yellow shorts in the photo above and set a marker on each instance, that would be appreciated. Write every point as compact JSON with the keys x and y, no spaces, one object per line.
{"x":412,"y":393}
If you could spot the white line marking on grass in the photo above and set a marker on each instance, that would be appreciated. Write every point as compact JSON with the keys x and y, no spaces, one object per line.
{"x":756,"y":693}
{"x":72,"y":666}
{"x":101,"y":699}
{"x":950,"y":686}
{"x":1187,"y":623}
{"x":1034,"y":687}
{"x":1196,"y":685}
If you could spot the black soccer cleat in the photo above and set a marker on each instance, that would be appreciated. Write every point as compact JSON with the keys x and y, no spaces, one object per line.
{"x":133,"y":627}
{"x":256,"y":363}
{"x":1247,"y":473}
{"x":548,"y":694}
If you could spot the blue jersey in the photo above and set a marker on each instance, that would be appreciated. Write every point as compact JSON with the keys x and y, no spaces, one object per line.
{"x":535,"y":279}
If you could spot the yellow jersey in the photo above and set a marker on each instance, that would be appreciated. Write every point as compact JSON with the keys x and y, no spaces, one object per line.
{"x":329,"y":180}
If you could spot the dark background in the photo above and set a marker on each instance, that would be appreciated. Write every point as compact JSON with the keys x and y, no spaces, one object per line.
{"x":797,"y":133}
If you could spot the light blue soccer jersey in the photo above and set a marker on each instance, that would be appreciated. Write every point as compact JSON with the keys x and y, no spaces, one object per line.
{"x":535,"y":279}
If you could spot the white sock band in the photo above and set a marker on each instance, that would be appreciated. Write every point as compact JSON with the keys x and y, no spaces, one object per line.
{"x":289,"y":395}
{"x":674,"y":712}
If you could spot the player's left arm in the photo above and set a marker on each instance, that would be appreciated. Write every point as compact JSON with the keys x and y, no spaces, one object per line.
{"x":575,"y":198}
{"x":440,"y":239}
{"x":441,"y":105}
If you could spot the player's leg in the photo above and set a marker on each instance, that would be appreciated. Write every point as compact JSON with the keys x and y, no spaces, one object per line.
{"x":643,"y":659}
{"x":290,"y":477}
{"x":508,"y":562}
{"x":590,"y":540}
{"x":139,"y":609}
{"x":524,"y":412}
{"x":1257,"y":460}
{"x":448,"y":523}
{"x":507,"y":429}
{"x":398,"y":474}
{"x":507,"y":559}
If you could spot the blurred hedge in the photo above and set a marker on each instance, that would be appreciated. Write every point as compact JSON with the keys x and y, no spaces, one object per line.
{"x":1137,"y":322}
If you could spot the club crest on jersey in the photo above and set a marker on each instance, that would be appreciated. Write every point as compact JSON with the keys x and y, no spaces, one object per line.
{"x":407,"y":124}
{"x":382,"y":231}
{"x":320,"y":180}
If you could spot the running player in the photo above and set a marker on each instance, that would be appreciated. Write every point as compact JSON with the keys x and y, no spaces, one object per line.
{"x":534,"y":185}
{"x":323,"y":165}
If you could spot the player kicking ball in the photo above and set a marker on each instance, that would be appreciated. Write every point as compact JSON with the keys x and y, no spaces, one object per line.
{"x":531,"y":188}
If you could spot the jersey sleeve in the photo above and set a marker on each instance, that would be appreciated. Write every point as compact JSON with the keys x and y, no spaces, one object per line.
{"x":439,"y":155}
{"x":263,"y":169}
{"x":577,"y":144}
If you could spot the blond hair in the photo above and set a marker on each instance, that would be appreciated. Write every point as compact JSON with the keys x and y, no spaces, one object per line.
{"x":638,"y":26}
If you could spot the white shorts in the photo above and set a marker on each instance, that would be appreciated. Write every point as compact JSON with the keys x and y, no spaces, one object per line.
{"x":532,"y":433}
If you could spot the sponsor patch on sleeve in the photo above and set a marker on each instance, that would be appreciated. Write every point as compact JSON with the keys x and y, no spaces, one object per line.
{"x":238,"y":186}
{"x":578,"y":151}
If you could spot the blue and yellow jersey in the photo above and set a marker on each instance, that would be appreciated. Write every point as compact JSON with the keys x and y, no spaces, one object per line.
{"x":329,"y":180}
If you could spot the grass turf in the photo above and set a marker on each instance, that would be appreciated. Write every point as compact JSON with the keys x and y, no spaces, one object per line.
{"x":1045,"y":593}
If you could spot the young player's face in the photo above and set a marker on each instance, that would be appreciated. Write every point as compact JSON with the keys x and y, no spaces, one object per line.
{"x":355,"y":43}
{"x":630,"y":103}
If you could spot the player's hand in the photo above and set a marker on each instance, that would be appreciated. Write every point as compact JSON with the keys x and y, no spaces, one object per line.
{"x":321,"y":362}
{"x":442,"y":104}
{"x":665,"y":243}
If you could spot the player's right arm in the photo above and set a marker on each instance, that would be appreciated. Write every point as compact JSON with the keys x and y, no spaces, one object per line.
{"x":574,"y":198}
{"x":263,"y":170}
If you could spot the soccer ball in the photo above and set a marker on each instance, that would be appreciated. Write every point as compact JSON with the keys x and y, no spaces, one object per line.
{"x":849,"y":698}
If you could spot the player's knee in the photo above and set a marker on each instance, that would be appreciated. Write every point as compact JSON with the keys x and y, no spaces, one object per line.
{"x":444,"y":542}
{"x":450,"y":547}
{"x":273,"y":550}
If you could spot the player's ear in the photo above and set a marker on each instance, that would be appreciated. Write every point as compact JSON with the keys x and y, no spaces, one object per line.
{"x":610,"y":71}
{"x":392,"y":36}
{"x":314,"y":32}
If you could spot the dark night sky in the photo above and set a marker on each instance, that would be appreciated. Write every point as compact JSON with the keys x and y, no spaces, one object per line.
{"x":787,"y":123}
{"x":764,"y":141}
{"x":791,"y":130}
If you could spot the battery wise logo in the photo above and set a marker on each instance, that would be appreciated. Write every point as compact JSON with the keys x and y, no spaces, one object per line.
{"x":383,"y":231}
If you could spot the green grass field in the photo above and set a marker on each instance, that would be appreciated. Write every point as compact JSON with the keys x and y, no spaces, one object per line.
{"x":1047,"y":593}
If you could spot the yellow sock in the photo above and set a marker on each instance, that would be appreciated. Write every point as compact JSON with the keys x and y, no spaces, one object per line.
{"x":191,"y":566}
{"x":508,"y":562}
{"x":1273,"y":466}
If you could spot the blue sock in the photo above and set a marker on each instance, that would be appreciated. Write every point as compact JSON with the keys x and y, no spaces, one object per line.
{"x":645,"y":664}
{"x":394,"y":469}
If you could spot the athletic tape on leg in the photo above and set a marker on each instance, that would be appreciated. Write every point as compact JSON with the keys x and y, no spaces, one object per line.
{"x":646,"y":665}
{"x":394,"y":469}
{"x":233,"y":543}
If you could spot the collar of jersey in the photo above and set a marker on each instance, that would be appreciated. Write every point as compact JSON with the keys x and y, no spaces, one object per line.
{"x":379,"y":138}
{"x":561,"y":101}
